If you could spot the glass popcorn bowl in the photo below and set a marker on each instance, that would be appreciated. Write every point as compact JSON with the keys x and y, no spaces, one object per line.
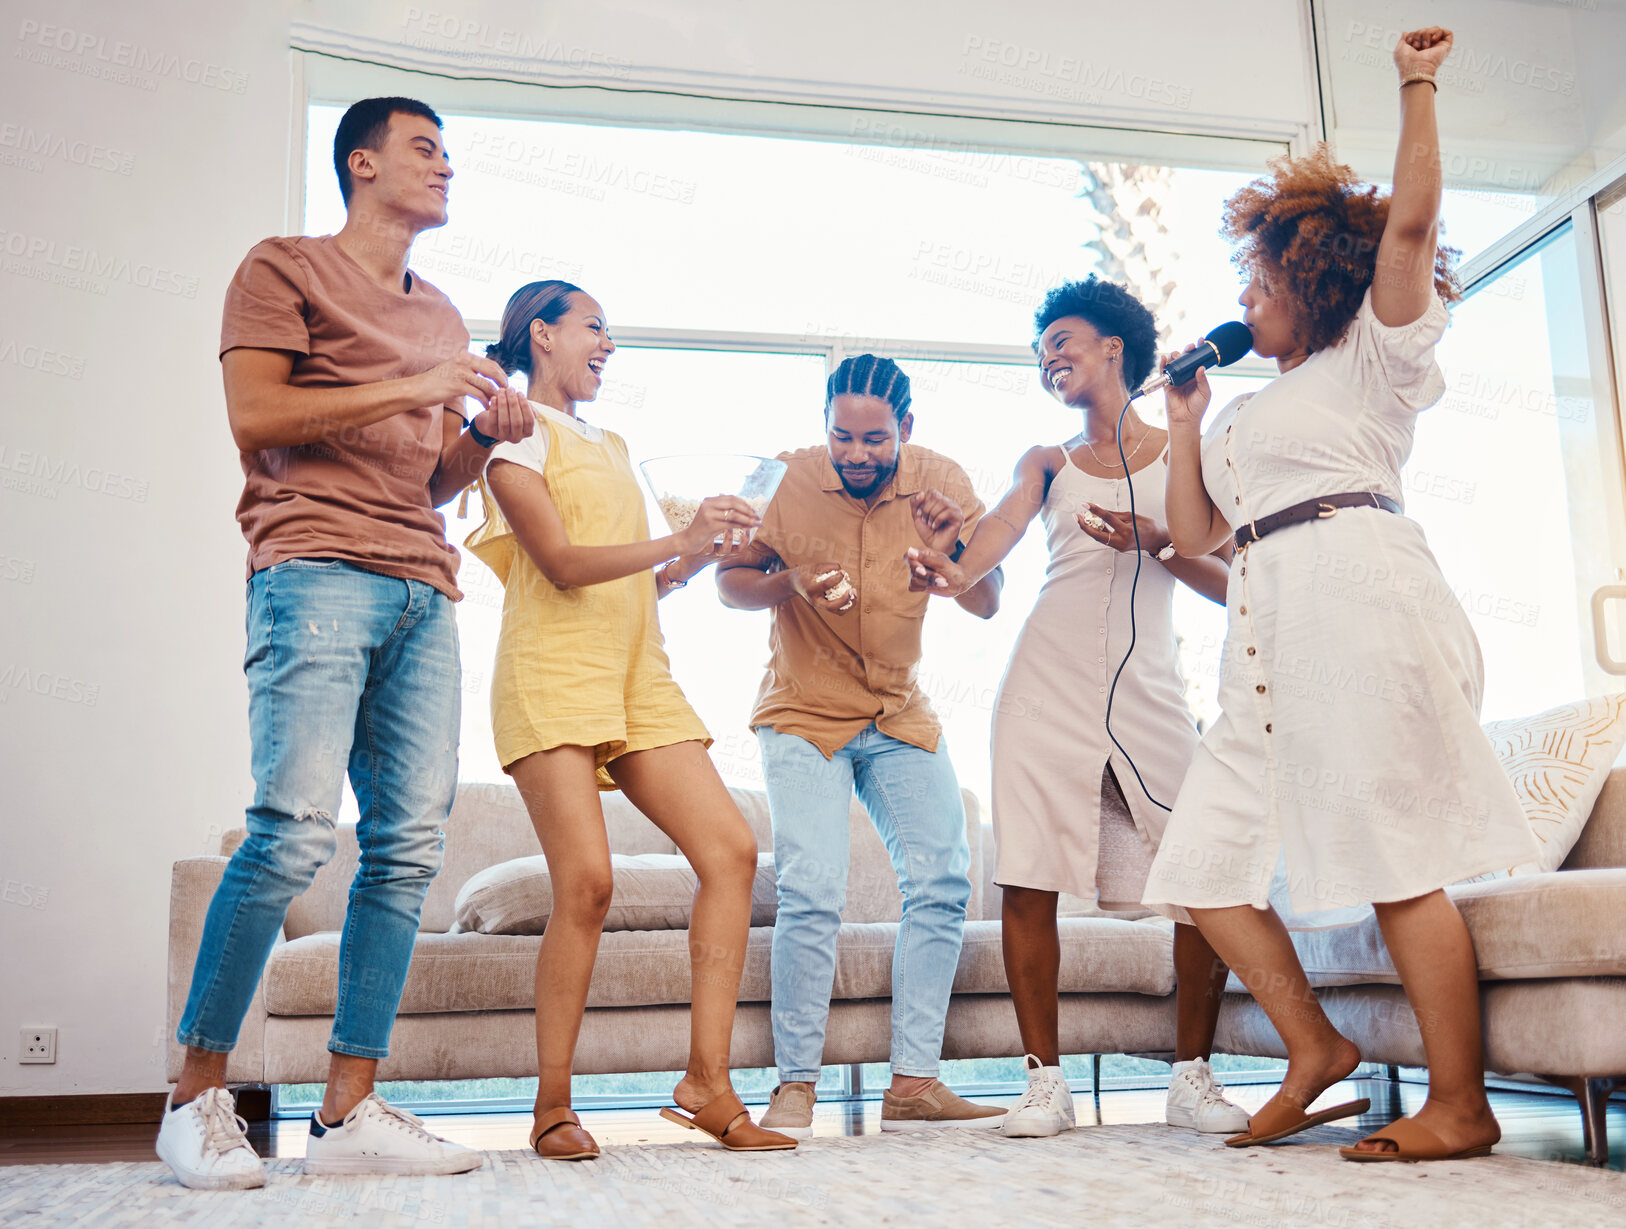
{"x":681,"y":482}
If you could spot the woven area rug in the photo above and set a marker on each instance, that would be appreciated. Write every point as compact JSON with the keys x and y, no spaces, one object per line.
{"x":1113,"y":1175}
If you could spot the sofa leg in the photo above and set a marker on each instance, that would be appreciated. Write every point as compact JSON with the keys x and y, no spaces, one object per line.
{"x":1592,"y":1092}
{"x":253,"y":1102}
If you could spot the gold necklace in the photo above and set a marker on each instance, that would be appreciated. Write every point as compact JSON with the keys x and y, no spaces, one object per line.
{"x":1114,"y":465}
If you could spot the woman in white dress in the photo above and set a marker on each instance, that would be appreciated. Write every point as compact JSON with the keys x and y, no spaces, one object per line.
{"x":1349,"y":751}
{"x":1071,"y":811}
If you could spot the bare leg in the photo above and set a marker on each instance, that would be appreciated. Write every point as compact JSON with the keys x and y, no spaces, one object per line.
{"x":349,"y":1082}
{"x":679,"y":789}
{"x":561,"y":795}
{"x":1434,"y":956}
{"x":203,"y":1070}
{"x":1255,"y":944}
{"x":1032,"y":949}
{"x":1199,"y":988}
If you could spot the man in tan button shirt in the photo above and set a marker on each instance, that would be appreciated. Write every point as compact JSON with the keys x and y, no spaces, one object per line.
{"x":840,"y":709}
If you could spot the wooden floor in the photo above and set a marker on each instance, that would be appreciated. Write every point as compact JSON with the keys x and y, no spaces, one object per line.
{"x":1538,"y":1125}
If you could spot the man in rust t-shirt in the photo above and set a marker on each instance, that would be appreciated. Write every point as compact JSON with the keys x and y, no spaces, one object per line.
{"x":346,"y":376}
{"x":357,"y":493}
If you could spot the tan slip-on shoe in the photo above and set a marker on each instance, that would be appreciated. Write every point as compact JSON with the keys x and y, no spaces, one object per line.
{"x":726,"y":1121}
{"x":558,"y":1135}
{"x":790,"y":1110}
{"x":938,"y":1106}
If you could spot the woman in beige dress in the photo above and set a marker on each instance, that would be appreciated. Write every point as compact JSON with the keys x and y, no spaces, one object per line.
{"x":1072,"y":810}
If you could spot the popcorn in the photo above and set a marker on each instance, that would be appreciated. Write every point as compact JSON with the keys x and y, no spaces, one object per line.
{"x":680,"y":512}
{"x":1093,"y":521}
{"x":841,"y":589}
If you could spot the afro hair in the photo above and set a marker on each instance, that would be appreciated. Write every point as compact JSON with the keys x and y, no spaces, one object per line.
{"x":1112,"y":312}
{"x":1310,"y":231}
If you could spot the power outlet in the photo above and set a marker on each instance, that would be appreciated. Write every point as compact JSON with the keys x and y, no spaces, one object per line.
{"x":39,"y":1045}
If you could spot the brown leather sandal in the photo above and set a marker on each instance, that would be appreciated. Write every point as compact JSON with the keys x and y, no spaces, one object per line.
{"x":726,"y":1121}
{"x":558,"y":1136}
{"x":1412,"y":1143}
{"x":1271,"y":1124}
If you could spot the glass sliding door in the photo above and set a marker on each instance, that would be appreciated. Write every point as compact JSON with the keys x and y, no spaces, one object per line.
{"x":1516,"y":477}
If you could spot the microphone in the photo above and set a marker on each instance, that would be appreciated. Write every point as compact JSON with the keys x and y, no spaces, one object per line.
{"x":1220,"y":348}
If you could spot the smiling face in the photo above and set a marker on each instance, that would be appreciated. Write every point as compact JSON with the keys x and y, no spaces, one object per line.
{"x":863,"y":436}
{"x":1074,"y":359}
{"x":570,"y":353}
{"x":1270,"y":319}
{"x":408,"y":177}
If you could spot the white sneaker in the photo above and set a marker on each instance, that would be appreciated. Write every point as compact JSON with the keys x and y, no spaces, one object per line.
{"x":1197,"y":1101}
{"x":203,"y":1141}
{"x":377,"y":1138}
{"x":1046,"y":1108}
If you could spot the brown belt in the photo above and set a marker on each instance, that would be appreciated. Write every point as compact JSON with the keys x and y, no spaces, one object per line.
{"x":1312,"y":510}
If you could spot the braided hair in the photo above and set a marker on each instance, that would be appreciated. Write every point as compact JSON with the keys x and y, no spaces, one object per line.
{"x":547,"y":301}
{"x":870,"y":376}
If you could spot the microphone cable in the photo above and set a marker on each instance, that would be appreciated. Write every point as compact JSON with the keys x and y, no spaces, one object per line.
{"x":1134,"y":583}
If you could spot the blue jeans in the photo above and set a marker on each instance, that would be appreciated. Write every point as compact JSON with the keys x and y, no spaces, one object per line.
{"x":347,"y":670}
{"x":914,"y":801}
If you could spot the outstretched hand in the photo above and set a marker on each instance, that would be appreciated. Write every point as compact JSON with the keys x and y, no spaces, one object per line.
{"x":722,"y":525}
{"x":932,"y":571}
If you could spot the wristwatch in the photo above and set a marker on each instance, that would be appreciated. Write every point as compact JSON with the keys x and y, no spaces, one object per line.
{"x":959,"y":549}
{"x":1167,"y":553}
{"x":480,"y":437}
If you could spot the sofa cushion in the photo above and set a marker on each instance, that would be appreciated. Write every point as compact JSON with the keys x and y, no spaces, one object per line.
{"x":651,"y":892}
{"x":642,"y":968}
{"x":1603,"y":840}
{"x":1562,"y":924}
{"x":475,"y":972}
{"x":1558,"y":761}
{"x":489,"y":824}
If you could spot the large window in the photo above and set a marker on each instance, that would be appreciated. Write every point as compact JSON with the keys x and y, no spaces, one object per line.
{"x":708,"y":250}
{"x":738,"y":269}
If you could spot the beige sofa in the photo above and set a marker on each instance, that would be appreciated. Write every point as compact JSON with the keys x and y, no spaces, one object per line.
{"x":1552,"y":951}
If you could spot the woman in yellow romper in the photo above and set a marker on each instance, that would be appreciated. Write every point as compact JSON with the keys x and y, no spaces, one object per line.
{"x":582,"y":700}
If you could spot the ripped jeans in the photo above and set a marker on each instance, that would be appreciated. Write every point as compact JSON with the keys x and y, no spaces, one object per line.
{"x":348,"y":670}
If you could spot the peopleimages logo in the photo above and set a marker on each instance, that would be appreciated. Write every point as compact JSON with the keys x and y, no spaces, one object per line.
{"x":85,"y":268}
{"x":35,"y":473}
{"x":89,"y":53}
{"x":32,"y":143}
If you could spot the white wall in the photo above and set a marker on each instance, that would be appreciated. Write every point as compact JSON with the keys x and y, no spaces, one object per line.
{"x":123,"y":725}
{"x":122,"y":705}
{"x":1531,"y":97}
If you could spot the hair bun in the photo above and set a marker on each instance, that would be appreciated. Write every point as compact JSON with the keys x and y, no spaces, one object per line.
{"x":498,"y":355}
